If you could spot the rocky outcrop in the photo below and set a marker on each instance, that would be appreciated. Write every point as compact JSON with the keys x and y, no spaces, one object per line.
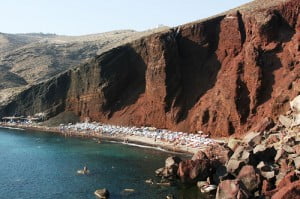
{"x":262,"y":165}
{"x":221,"y":75}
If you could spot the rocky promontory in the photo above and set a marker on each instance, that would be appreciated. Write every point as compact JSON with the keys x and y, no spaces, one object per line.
{"x":264,"y":164}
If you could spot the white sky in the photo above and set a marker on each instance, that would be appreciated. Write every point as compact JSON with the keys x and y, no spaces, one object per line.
{"x":77,"y":17}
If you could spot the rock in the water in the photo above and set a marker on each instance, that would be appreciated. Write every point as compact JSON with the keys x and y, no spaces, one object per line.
{"x":249,"y":177}
{"x":172,"y":161}
{"x":149,"y":181}
{"x":200,"y":184}
{"x":190,"y":171}
{"x":102,"y":193}
{"x":159,"y":171}
{"x":170,"y":196}
{"x":232,"y":189}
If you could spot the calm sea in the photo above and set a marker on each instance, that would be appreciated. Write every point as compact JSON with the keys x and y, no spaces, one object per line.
{"x":44,"y":165}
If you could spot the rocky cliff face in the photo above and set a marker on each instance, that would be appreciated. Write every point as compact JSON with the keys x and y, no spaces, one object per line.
{"x":221,"y":75}
{"x":28,"y":59}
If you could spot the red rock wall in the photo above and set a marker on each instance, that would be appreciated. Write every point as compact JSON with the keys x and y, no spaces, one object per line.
{"x":221,"y":75}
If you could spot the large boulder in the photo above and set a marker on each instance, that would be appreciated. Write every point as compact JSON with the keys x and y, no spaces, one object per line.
{"x":199,"y":155}
{"x":295,"y":104}
{"x":220,"y":174}
{"x":191,"y":171}
{"x":253,"y":138}
{"x":289,"y":191}
{"x":172,"y":161}
{"x":170,"y":169}
{"x":249,"y":177}
{"x":240,"y":157}
{"x":289,"y":178}
{"x":218,"y":154}
{"x":232,"y":189}
{"x":285,"y":185}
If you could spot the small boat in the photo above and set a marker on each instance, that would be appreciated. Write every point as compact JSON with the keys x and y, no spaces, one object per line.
{"x":164,"y":183}
{"x":129,"y":190}
{"x":83,"y":171}
{"x":149,"y":181}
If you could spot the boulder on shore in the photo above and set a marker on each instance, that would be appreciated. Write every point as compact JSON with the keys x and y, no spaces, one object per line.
{"x":249,"y":177}
{"x":232,"y":189}
{"x":191,"y":171}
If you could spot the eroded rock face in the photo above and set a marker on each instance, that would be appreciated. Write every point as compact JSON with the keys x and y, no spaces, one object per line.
{"x":176,"y":78}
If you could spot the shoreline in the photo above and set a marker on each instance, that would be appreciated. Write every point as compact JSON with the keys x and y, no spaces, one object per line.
{"x":135,"y":141}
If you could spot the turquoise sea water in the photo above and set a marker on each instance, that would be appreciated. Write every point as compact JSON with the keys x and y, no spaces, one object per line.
{"x":44,"y":165}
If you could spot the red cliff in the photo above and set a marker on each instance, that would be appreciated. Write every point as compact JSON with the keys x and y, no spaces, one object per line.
{"x":221,"y":75}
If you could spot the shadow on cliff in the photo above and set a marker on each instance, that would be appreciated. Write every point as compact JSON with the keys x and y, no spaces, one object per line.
{"x":123,"y":70}
{"x":48,"y":97}
{"x":269,"y":62}
{"x":198,"y":68}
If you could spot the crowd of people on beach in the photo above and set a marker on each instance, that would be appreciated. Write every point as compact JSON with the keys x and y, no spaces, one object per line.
{"x":194,"y":140}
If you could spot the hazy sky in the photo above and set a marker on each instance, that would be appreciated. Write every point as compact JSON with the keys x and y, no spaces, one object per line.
{"x":77,"y":17}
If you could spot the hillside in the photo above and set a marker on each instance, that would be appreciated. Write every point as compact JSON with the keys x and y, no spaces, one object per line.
{"x":27,"y":59}
{"x":221,"y":75}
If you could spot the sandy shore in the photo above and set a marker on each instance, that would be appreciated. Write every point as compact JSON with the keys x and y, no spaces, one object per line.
{"x":128,"y":139}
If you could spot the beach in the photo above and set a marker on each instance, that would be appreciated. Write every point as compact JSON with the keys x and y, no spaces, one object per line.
{"x":160,"y":139}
